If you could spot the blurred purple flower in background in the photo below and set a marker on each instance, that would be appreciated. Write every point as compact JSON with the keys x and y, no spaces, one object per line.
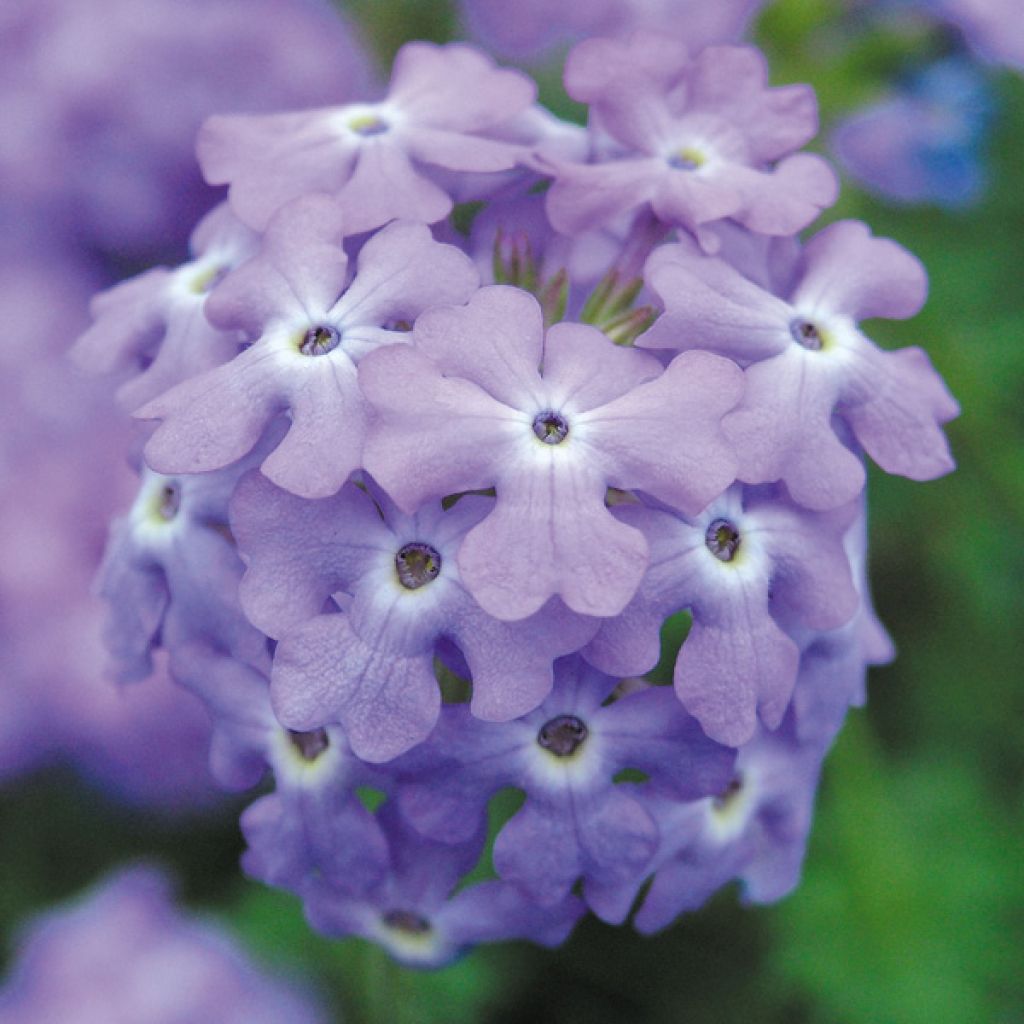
{"x":103,"y":99}
{"x":124,"y":954}
{"x":924,"y":142}
{"x":992,"y":29}
{"x":923,"y":139}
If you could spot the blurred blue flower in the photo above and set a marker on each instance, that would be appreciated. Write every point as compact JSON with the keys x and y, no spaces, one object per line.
{"x":923,"y":143}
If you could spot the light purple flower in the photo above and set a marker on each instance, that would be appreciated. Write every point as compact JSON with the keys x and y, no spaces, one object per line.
{"x":755,"y":830}
{"x":170,"y":574}
{"x":745,"y":556}
{"x":313,"y":822}
{"x":812,"y":375}
{"x":153,"y":329}
{"x":833,"y":664}
{"x":396,"y":578}
{"x":699,"y":141}
{"x":453,"y":496}
{"x":310,"y":321}
{"x":418,"y":917}
{"x":576,"y":822}
{"x":445,"y":109}
{"x":123,"y":954}
{"x":465,"y":407}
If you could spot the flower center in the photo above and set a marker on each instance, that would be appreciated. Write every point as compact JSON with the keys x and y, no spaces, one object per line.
{"x":320,"y":340}
{"x":417,"y":565}
{"x":722,"y":540}
{"x":562,"y":736}
{"x":368,"y":125}
{"x":407,"y":921}
{"x":168,"y":502}
{"x":310,"y":745}
{"x":686,"y":159}
{"x":806,"y":334}
{"x":550,"y":427}
{"x":728,"y":795}
{"x":208,"y":280}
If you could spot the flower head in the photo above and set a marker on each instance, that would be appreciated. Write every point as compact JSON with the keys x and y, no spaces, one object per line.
{"x":466,"y":407}
{"x":397,"y":592}
{"x":698,"y":140}
{"x":445,"y":109}
{"x":308,"y":320}
{"x":577,"y":822}
{"x":813,"y":378}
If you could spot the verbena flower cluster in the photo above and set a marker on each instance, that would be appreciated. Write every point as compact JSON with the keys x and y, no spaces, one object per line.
{"x":459,"y":414}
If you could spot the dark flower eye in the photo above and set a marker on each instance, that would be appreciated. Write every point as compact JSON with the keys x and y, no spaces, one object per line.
{"x":722,"y":539}
{"x":169,"y":501}
{"x":310,"y":745}
{"x":320,"y":340}
{"x":806,"y":334}
{"x":728,"y":796}
{"x":550,"y":427}
{"x":407,"y":921}
{"x":562,"y":736}
{"x":417,"y":565}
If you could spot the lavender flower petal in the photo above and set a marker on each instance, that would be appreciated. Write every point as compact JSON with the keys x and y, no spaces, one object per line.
{"x":324,"y":672}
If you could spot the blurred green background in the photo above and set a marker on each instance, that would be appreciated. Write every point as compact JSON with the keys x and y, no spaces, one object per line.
{"x":912,"y":905}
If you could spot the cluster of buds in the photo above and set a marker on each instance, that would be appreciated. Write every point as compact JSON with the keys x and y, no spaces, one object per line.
{"x":464,"y":413}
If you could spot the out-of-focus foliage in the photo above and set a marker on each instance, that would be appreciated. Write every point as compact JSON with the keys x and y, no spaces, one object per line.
{"x":911,"y":908}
